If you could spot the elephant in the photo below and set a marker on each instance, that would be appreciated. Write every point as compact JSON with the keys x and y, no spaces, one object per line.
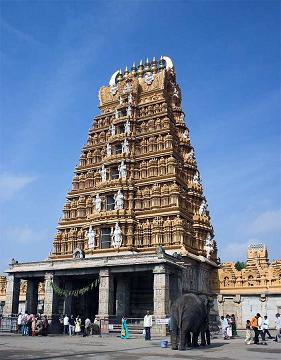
{"x":189,"y":314}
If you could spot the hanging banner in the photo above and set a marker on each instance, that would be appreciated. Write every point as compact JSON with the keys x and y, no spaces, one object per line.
{"x":76,"y":292}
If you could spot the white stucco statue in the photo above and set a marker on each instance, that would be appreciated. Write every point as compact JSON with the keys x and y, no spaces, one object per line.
{"x":185,"y":135}
{"x":129,"y":111}
{"x":116,"y":114}
{"x":116,"y":236}
{"x":196,"y":178}
{"x":119,"y":200}
{"x":127,"y":127}
{"x":103,"y":173}
{"x":125,"y":147}
{"x":90,"y":235}
{"x":191,"y":155}
{"x":203,"y":208}
{"x":209,"y":245}
{"x":182,"y":117}
{"x":112,"y":129}
{"x":130,"y":98}
{"x":122,"y":170}
{"x":98,"y":203}
{"x":120,"y":100}
{"x":108,"y":150}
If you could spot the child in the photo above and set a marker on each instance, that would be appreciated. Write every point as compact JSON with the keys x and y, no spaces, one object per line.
{"x":248,"y":332}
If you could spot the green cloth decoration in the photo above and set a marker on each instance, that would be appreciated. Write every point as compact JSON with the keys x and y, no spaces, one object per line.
{"x":77,"y":292}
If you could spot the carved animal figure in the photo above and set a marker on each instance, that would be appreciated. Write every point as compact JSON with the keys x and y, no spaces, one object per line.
{"x":189,"y":314}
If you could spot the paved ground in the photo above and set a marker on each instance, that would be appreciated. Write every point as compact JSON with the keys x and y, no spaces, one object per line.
{"x":16,"y":347}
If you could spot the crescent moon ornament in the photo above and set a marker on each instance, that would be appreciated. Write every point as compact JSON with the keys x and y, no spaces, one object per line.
{"x":112,"y":80}
{"x":169,"y":63}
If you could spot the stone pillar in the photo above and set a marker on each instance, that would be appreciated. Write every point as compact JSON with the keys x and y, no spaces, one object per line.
{"x":122,"y":297}
{"x":161,"y":298}
{"x":51,"y":302}
{"x":106,"y":291}
{"x":68,"y":300}
{"x":32,"y":296}
{"x":12,"y":296}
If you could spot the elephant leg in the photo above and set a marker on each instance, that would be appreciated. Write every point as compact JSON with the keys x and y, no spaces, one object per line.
{"x":188,"y":339}
{"x":203,"y":338}
{"x":174,"y":338}
{"x":182,"y":340}
{"x":195,"y":339}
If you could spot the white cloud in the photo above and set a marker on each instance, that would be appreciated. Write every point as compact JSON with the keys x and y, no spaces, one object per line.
{"x":11,"y":184}
{"x":235,"y":250}
{"x":266,"y":222}
{"x":24,"y":235}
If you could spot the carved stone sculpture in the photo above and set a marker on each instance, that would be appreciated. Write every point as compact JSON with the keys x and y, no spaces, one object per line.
{"x":122,"y":170}
{"x":119,"y":200}
{"x":116,"y":236}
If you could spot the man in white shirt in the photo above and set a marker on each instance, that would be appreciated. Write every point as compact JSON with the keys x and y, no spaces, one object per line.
{"x":260,"y":330}
{"x":19,"y":322}
{"x":265,"y":327}
{"x":147,"y":324}
{"x":66,"y":324}
{"x":277,"y":327}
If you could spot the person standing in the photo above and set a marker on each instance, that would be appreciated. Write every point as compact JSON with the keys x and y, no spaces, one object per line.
{"x":147,"y":323}
{"x":66,"y":324}
{"x":33,"y":325}
{"x":71,"y":325}
{"x":45,"y":325}
{"x":233,"y":325}
{"x":87,"y":326}
{"x":261,"y":332}
{"x":248,"y":332}
{"x":277,"y":327}
{"x":77,"y":325}
{"x":19,"y":322}
{"x":265,"y":327}
{"x":124,"y":329}
{"x":254,"y":325}
{"x":229,"y":327}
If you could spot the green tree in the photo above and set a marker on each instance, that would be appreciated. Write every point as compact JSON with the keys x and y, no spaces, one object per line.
{"x":239,"y":265}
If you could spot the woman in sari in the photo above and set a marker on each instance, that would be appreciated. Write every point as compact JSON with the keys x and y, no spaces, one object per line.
{"x":124,"y":329}
{"x":233,"y":325}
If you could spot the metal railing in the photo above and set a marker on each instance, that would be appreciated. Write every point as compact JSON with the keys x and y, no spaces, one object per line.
{"x":8,"y":324}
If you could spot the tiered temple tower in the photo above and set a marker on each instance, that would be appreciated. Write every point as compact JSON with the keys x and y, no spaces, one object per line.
{"x":136,"y":220}
{"x":137,"y":185}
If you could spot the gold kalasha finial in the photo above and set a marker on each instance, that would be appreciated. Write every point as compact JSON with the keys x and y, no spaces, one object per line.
{"x":134,"y":69}
{"x":140,"y":69}
{"x":154,"y":65}
{"x":147,"y":66}
{"x":119,"y":76}
{"x":126,"y":73}
{"x":161,"y":63}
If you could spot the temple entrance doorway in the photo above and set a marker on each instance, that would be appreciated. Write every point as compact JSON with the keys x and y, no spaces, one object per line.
{"x":133,"y":294}
{"x":84,"y":305}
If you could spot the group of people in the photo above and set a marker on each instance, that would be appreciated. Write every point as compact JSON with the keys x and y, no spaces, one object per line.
{"x":77,"y":326}
{"x":228,"y":325}
{"x":260,"y":326}
{"x":32,"y":325}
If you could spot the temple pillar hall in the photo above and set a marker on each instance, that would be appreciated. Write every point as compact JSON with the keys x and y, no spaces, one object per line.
{"x":12,"y":296}
{"x":106,"y":292}
{"x":32,"y":296}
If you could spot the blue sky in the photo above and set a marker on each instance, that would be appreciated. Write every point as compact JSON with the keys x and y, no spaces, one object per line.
{"x":56,"y":54}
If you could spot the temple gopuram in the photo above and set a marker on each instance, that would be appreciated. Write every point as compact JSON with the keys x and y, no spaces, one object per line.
{"x":135,"y":232}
